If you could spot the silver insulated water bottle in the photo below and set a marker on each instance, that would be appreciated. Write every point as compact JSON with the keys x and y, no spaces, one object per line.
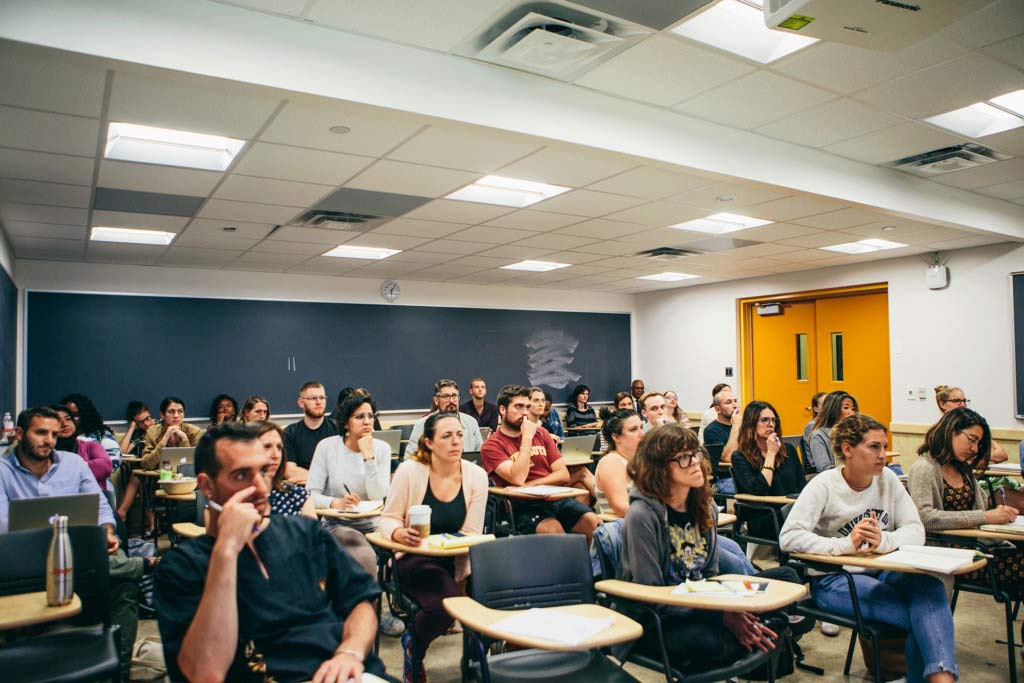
{"x":60,"y":584}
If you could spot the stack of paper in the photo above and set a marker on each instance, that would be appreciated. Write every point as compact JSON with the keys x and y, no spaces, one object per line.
{"x":457,"y":540}
{"x":1008,"y":467}
{"x":1015,"y":527}
{"x":550,"y":624}
{"x":544,"y":490}
{"x":722,"y":589}
{"x":931,"y":558}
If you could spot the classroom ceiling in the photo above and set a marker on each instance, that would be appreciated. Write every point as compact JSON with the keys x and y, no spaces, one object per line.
{"x":865,"y":106}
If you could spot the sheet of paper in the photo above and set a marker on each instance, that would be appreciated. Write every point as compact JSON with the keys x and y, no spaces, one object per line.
{"x":1012,"y":467}
{"x":543,"y":490}
{"x":555,"y":626}
{"x":461,"y":541}
{"x":1015,"y":528}
{"x":931,"y":559}
{"x":711,"y":589}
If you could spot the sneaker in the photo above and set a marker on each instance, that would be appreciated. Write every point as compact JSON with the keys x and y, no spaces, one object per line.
{"x":390,"y":626}
{"x":828,"y":629}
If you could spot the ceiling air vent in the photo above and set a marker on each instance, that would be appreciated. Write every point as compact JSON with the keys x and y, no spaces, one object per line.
{"x":337,"y":220}
{"x":552,"y":39}
{"x":948,"y":160}
{"x":668,"y":253}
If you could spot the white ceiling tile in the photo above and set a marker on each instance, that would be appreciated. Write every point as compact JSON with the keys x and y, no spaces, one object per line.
{"x":34,"y":192}
{"x":450,"y":246}
{"x":411,"y":179}
{"x":773,"y":232}
{"x":125,"y":175}
{"x":327,"y":265}
{"x":659,"y":237}
{"x":766,"y":249}
{"x":197,"y":257}
{"x":838,"y":220}
{"x":215,"y":240}
{"x":897,"y":229}
{"x":601,"y":229}
{"x":1011,"y":141}
{"x":54,"y":168}
{"x":265,"y":258}
{"x":44,"y":214}
{"x":476,"y":263}
{"x":444,"y":272}
{"x":518,"y":253}
{"x":829,"y":123}
{"x":848,"y":69}
{"x":1010,"y":51}
{"x":934,"y":235}
{"x":422,"y":258}
{"x":989,"y":25}
{"x":401,"y":242}
{"x":374,"y":131}
{"x":553,"y":240}
{"x":733,"y":196}
{"x":125,"y":219}
{"x":893,"y":143}
{"x":387,"y":268}
{"x":418,"y":228}
{"x":300,"y":164}
{"x":608,"y":248}
{"x":487,"y":277}
{"x":814,"y":255}
{"x":486,"y":233}
{"x":663,"y":70}
{"x":465,"y":147}
{"x":540,"y":221}
{"x":44,"y":247}
{"x":283,"y":247}
{"x":293,"y":233}
{"x":45,"y":132}
{"x":754,"y":100}
{"x":242,"y":230}
{"x":819,"y":239}
{"x":568,"y":166}
{"x":657,"y":214}
{"x":282,"y":192}
{"x":983,"y":176}
{"x":171,"y":103}
{"x":223,"y":209}
{"x":257,"y":266}
{"x":971,"y":241}
{"x":137,"y":254}
{"x":46,"y":230}
{"x":945,"y":87}
{"x":575,"y":257}
{"x":650,"y":183}
{"x":40,"y":79}
{"x":1011,"y":190}
{"x":438,"y":25}
{"x":796,"y":206}
{"x":588,"y":203}
{"x":453,"y":211}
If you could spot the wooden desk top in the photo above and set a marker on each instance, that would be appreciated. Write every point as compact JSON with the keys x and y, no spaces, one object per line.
{"x":769,"y":500}
{"x":147,"y":473}
{"x":344,"y":514}
{"x":877,"y":562}
{"x":130,"y":459}
{"x":725,"y":519}
{"x":779,"y":594}
{"x":575,"y":461}
{"x":479,"y":618}
{"x":188,"y":529}
{"x":375,"y":538}
{"x":510,"y":492}
{"x":982,"y":533}
{"x":26,"y":609}
{"x":182,"y":497}
{"x":595,"y":427}
{"x":1001,"y":473}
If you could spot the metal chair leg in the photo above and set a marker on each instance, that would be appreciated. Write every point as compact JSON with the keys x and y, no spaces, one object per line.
{"x":1011,"y":648}
{"x":876,"y":646}
{"x":849,"y":652}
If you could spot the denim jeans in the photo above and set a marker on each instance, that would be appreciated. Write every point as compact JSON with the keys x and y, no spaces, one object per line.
{"x":726,"y":486}
{"x":732,"y":559}
{"x":915,"y":603}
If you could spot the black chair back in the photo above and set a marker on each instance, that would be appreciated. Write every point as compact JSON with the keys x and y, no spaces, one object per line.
{"x":23,"y":567}
{"x":544,"y":570}
{"x":715,"y":453}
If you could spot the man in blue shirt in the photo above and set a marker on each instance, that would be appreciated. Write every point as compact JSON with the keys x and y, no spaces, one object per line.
{"x":35,"y":469}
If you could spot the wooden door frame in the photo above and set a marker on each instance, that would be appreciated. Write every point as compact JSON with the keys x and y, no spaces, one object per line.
{"x":744,"y":327}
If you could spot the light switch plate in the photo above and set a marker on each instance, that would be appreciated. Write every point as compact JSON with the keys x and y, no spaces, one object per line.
{"x":922,"y":393}
{"x":911,"y":392}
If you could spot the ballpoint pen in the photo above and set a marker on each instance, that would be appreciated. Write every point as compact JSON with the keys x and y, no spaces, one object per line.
{"x":217,"y":507}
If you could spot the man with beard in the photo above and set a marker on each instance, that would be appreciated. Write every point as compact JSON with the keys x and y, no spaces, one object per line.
{"x":446,"y":397}
{"x":301,"y":438}
{"x":725,"y":430}
{"x":521,"y":453}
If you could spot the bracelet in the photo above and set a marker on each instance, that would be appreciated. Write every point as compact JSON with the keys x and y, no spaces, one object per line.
{"x":765,"y":467}
{"x":351,"y":653}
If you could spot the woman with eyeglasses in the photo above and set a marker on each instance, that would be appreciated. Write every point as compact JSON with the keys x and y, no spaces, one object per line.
{"x":837,"y":406}
{"x":764,"y":465}
{"x":669,"y":537}
{"x":674,"y":411}
{"x":860,"y":507}
{"x":949,"y":398}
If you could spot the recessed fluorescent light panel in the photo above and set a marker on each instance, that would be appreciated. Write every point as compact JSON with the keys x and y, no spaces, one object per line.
{"x":1014,"y":101}
{"x":507,"y":192}
{"x":131,"y":236}
{"x":976,"y":120}
{"x":737,"y":26}
{"x":668,"y":276}
{"x":536,"y":266}
{"x":132,"y":142}
{"x":721,"y":223}
{"x":863,"y":246}
{"x":351,"y":251}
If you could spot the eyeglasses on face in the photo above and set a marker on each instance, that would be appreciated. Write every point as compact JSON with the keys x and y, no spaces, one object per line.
{"x":448,"y":397}
{"x":767,"y":420}
{"x":684,"y":460}
{"x":971,"y":439}
{"x":958,"y":401}
{"x":314,"y":399}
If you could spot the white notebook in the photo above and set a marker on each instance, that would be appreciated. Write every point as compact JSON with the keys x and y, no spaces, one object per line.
{"x":931,"y":558}
{"x":545,"y":490}
{"x":555,"y":626}
{"x":1009,"y":467}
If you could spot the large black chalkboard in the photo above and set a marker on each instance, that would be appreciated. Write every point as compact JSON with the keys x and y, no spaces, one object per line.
{"x":1018,"y":340}
{"x":116,"y":348}
{"x":8,"y":337}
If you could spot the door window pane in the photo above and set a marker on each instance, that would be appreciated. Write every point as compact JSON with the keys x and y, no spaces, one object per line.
{"x":837,"y":356}
{"x":801,"y":357}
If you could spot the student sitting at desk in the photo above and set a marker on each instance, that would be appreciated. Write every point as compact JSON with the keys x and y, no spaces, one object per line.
{"x":172,"y":432}
{"x":90,"y":451}
{"x":89,"y":425}
{"x":446,"y":398}
{"x":456,"y":491}
{"x":836,"y":406}
{"x":552,"y":420}
{"x":861,"y":507}
{"x":669,"y":537}
{"x":580,"y":417}
{"x":580,"y":476}
{"x":286,"y":498}
{"x":254,"y":409}
{"x":223,"y":408}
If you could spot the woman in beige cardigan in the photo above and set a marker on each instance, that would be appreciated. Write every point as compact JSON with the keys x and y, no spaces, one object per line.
{"x":456,"y":491}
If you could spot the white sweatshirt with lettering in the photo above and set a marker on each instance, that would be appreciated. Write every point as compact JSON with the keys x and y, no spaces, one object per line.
{"x":827,"y":510}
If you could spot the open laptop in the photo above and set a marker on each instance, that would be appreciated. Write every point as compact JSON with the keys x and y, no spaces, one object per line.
{"x":392,"y":437}
{"x":485,"y":433}
{"x":35,"y":513}
{"x":185,"y":455}
{"x":578,"y":446}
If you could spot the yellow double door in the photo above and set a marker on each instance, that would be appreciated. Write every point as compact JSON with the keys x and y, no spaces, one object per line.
{"x":825,"y":344}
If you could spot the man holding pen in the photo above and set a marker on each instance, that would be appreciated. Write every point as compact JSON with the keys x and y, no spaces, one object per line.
{"x":260,"y":596}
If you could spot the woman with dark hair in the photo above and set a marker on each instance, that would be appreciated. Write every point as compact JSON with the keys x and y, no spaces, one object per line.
{"x":285,"y":497}
{"x":90,"y":426}
{"x":89,"y":450}
{"x":670,"y":537}
{"x":254,"y":409}
{"x":623,"y":401}
{"x":817,"y":403}
{"x":764,"y":465}
{"x":580,"y":417}
{"x":621,"y":431}
{"x":223,"y":408}
{"x":861,"y":507}
{"x":837,"y":406}
{"x":456,"y":491}
{"x":348,"y":391}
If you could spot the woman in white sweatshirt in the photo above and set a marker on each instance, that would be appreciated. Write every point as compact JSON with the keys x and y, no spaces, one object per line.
{"x":861,"y":507}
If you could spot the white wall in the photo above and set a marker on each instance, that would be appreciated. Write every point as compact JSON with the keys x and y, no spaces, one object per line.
{"x":961,"y":335}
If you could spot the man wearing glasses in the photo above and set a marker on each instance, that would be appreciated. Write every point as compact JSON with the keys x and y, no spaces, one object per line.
{"x":446,"y":396}
{"x":301,"y":438}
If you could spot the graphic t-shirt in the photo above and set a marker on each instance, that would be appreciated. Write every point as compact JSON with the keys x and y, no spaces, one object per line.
{"x":688,"y":552}
{"x":500,"y":447}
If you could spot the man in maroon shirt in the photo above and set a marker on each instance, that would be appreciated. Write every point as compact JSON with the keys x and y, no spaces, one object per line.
{"x":522,"y":453}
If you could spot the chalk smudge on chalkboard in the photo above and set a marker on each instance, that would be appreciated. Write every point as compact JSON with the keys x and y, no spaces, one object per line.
{"x":549,"y":355}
